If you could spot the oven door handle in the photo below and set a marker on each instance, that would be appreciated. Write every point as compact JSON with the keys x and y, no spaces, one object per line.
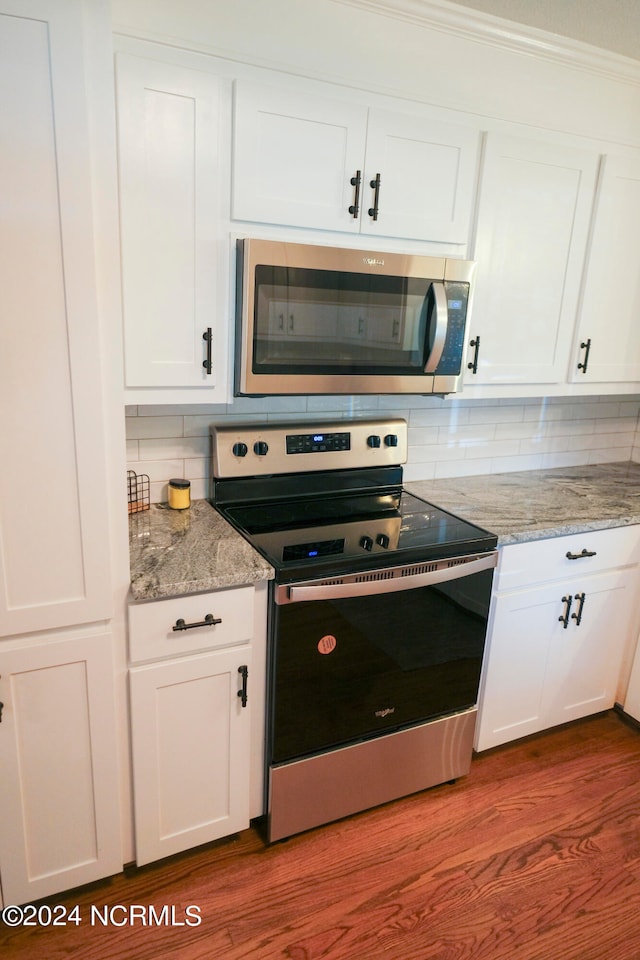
{"x":334,"y":591}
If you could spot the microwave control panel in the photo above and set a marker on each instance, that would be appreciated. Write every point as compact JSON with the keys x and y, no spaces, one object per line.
{"x":457,"y":295}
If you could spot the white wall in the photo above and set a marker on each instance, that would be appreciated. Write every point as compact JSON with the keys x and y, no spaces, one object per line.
{"x":447,"y":438}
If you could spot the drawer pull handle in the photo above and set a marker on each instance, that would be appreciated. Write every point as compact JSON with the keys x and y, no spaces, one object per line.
{"x":579,"y":556}
{"x":564,"y":619}
{"x":209,"y":621}
{"x":244,"y":673}
{"x":1,"y":709}
{"x":578,"y":616}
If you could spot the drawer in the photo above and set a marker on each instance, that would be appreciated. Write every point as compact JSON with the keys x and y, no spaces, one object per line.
{"x":151,"y":633}
{"x":523,"y":564}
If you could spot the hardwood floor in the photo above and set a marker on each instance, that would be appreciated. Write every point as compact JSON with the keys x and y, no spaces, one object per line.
{"x":533,"y":856}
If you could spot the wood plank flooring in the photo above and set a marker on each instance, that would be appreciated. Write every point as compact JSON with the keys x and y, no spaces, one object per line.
{"x":535,"y":855}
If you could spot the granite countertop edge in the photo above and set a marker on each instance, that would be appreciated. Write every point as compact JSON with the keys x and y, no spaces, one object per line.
{"x":529,"y":505}
{"x":180,"y":552}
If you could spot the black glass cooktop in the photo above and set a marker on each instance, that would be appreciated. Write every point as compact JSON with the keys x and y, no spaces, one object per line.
{"x":321,"y":536}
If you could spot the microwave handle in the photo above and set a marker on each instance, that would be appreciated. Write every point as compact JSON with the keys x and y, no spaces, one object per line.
{"x":442,"y":320}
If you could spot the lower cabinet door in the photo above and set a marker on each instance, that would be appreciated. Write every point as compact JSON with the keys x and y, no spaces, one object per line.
{"x":191,"y":750}
{"x":59,"y":795}
{"x":539,"y":673}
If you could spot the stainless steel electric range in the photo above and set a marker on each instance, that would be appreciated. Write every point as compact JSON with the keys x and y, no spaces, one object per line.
{"x":377,"y":615}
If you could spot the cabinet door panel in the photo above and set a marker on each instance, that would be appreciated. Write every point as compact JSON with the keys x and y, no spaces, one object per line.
{"x":512,"y":689}
{"x":50,"y":391}
{"x":168,"y":121}
{"x":428,"y":172}
{"x":535,"y":207}
{"x":191,"y":752}
{"x":59,"y":787}
{"x":611,"y":297}
{"x":294,"y":156}
{"x":584,"y":660}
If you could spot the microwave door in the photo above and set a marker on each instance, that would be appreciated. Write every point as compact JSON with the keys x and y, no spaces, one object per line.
{"x":437,"y":323}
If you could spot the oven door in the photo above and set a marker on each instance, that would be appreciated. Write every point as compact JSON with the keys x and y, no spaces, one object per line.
{"x":354,"y":660}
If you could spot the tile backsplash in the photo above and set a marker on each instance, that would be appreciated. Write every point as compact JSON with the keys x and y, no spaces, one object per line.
{"x":447,"y":438}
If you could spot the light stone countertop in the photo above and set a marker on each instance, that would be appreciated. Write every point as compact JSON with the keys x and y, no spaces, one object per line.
{"x":537,"y":504}
{"x":176,"y":552}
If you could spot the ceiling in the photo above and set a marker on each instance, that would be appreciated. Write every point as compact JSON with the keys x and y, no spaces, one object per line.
{"x":609,"y":24}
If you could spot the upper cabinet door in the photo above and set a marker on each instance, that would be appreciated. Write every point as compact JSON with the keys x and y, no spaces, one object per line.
{"x":608,"y":342}
{"x":312,"y":161}
{"x":174,"y":290}
{"x":536,"y":201}
{"x":294,"y":156}
{"x":425,"y":171}
{"x":54,"y":534}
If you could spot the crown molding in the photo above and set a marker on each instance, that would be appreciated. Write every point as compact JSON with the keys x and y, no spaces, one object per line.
{"x":475,"y":25}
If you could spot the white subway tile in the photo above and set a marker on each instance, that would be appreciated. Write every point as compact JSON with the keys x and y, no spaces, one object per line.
{"x":496,"y":414}
{"x":170,"y":448}
{"x":462,"y":468}
{"x":451,"y":416}
{"x":158,"y":470}
{"x":419,"y":471}
{"x":138,"y":428}
{"x":513,"y":464}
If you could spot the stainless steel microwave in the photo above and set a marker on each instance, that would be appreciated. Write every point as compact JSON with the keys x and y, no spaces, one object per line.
{"x":323,"y":320}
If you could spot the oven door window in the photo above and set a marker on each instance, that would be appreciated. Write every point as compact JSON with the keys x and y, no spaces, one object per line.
{"x":352,"y":669}
{"x":330,"y":322}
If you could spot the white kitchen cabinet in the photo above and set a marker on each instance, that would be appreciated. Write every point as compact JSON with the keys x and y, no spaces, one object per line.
{"x":535,"y":206}
{"x":607,"y":349}
{"x":59,"y":798}
{"x":307,"y":160}
{"x":555,"y":647}
{"x":191,"y":726}
{"x":174,"y":262}
{"x":54,"y":533}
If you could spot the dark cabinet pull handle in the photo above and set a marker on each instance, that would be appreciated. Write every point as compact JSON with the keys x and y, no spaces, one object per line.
{"x":354,"y":209}
{"x":1,"y":709}
{"x":244,"y":673}
{"x":579,"y":556}
{"x":208,"y":337}
{"x":564,"y":619}
{"x":578,"y":616}
{"x":585,"y":345}
{"x":209,"y":621}
{"x":375,"y":186}
{"x":473,"y":364}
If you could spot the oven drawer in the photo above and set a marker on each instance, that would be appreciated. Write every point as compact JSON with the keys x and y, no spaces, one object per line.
{"x":151,"y":624}
{"x":523,"y":564}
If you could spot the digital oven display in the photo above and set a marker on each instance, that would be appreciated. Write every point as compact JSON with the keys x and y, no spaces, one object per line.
{"x":318,"y":442}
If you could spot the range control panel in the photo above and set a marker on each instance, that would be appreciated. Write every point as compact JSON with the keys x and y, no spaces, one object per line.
{"x":248,"y":450}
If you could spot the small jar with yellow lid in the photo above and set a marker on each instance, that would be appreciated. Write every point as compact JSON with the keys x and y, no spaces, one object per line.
{"x":179,"y":494}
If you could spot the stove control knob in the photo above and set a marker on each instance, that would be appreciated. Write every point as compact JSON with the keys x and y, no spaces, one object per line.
{"x":366,"y":543}
{"x":240,"y":449}
{"x":391,"y":440}
{"x":260,"y":448}
{"x":382,"y":540}
{"x":373,"y":441}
